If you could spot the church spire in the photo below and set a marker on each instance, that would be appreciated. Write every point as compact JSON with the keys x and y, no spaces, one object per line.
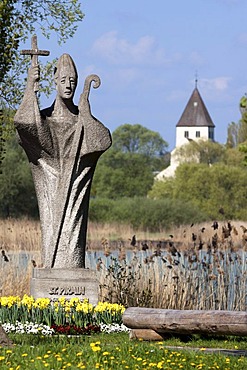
{"x":195,"y":113}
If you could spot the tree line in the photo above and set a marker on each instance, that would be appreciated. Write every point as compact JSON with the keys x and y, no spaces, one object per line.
{"x":124,"y":188}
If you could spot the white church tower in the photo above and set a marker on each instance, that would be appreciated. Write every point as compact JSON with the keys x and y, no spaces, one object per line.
{"x":195,"y":123}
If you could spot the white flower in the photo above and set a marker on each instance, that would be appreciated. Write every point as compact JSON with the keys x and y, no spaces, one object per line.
{"x":28,"y":328}
{"x":114,"y":328}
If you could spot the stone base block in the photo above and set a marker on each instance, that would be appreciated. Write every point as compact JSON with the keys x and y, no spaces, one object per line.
{"x":54,"y":283}
{"x":146,"y":334}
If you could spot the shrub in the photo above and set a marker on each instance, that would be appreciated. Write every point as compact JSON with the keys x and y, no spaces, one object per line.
{"x":146,"y":213}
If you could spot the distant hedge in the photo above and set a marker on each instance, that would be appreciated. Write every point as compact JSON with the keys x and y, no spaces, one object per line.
{"x":145,"y":213}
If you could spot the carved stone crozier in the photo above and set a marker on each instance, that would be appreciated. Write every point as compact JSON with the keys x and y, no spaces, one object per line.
{"x":63,"y":144}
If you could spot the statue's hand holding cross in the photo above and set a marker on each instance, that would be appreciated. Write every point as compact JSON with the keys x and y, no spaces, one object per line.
{"x":35,"y":52}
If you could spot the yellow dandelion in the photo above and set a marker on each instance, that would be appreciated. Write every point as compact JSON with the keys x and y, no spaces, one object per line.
{"x":96,"y":348}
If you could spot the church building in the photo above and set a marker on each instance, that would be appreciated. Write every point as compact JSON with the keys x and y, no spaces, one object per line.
{"x":194,"y":124}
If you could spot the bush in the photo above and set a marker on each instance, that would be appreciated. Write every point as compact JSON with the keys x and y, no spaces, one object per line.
{"x":145,"y":213}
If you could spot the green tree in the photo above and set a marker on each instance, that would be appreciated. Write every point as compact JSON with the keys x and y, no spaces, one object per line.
{"x":237,"y":133}
{"x":9,"y":37}
{"x":122,"y":175}
{"x":209,"y":188}
{"x":243,"y":109}
{"x":233,"y":135}
{"x":19,"y":20}
{"x":138,"y":139}
{"x":17,"y":194}
{"x":127,"y":168}
{"x":201,"y":151}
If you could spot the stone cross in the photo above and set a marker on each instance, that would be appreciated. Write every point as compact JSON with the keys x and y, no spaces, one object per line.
{"x":35,"y":52}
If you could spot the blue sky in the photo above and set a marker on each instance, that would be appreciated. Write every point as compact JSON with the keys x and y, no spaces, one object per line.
{"x":148,"y":53}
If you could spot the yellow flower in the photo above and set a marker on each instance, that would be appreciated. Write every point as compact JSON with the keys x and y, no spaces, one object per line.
{"x":10,"y":301}
{"x":41,"y":303}
{"x":27,"y":301}
{"x":95,"y":347}
{"x":62,"y":300}
{"x":160,"y":365}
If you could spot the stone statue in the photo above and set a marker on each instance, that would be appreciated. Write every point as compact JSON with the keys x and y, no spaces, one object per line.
{"x":63,"y":144}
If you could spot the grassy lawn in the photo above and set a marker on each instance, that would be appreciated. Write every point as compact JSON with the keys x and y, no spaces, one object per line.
{"x":116,"y":351}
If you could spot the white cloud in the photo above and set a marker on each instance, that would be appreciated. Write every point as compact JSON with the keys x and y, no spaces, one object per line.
{"x":124,"y":76}
{"x":215,"y":84}
{"x":121,"y":51}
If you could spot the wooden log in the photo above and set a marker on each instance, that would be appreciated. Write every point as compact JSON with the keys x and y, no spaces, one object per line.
{"x":216,"y":322}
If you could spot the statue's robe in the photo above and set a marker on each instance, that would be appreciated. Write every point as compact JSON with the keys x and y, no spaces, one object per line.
{"x":63,"y":152}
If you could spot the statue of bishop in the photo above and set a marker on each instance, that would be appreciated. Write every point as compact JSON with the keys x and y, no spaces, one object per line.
{"x":63,"y":144}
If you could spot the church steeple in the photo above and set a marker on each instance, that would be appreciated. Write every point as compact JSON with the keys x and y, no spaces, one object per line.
{"x":195,"y":113}
{"x":195,"y":123}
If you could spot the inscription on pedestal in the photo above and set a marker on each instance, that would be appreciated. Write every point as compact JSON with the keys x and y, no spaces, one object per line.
{"x":78,"y":290}
{"x":55,"y":283}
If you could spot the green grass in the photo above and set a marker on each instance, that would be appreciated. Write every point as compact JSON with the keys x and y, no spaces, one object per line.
{"x":116,"y":351}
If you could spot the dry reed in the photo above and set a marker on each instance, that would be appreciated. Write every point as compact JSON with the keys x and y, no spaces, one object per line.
{"x":206,"y":270}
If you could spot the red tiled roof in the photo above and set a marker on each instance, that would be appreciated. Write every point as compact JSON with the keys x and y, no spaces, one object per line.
{"x":195,"y":112}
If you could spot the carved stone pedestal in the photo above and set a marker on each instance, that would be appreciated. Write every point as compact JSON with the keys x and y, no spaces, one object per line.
{"x":54,"y":283}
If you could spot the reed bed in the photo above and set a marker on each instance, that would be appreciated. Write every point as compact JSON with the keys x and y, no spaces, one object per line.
{"x":24,"y":234}
{"x":190,"y":267}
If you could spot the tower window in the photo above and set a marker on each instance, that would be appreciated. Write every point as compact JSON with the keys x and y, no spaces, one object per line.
{"x":186,"y":134}
{"x":198,"y":134}
{"x":211,"y":133}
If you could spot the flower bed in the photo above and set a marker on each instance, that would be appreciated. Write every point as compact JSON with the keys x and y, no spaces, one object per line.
{"x":62,"y":316}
